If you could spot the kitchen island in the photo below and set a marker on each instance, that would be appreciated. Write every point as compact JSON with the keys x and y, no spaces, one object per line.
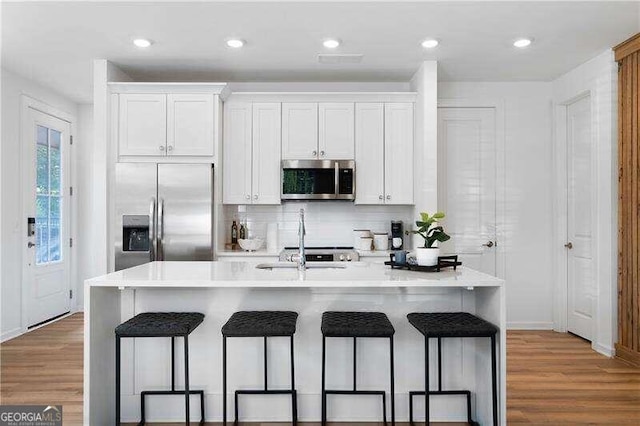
{"x":217,"y":289}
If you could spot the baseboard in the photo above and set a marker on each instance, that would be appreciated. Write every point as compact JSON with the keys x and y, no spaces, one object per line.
{"x":8,"y":335}
{"x":628,"y":355}
{"x":603,"y":349}
{"x":529,"y":325}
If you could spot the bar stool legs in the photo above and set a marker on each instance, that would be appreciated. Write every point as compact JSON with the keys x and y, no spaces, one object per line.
{"x":265,"y":390}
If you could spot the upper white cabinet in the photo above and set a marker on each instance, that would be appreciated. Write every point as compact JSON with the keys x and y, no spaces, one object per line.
{"x":369,"y":153}
{"x":398,"y":153}
{"x":143,"y":124}
{"x":384,"y":153}
{"x":190,"y":124}
{"x":322,"y":131}
{"x":336,"y":131}
{"x":251,"y":153}
{"x":299,"y":131}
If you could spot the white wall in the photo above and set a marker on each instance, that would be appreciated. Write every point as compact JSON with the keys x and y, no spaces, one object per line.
{"x":13,"y":86}
{"x":528,"y":203}
{"x":598,"y":77}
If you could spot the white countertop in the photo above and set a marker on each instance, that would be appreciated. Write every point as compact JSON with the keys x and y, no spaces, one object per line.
{"x":244,"y":274}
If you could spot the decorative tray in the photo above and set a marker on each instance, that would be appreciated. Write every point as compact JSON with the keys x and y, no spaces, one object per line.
{"x":443,"y":262}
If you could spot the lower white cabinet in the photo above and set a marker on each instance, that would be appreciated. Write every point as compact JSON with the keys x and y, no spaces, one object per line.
{"x":384,"y":153}
{"x":251,"y":153}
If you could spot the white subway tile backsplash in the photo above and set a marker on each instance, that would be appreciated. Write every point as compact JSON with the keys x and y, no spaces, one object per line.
{"x":327,"y":223}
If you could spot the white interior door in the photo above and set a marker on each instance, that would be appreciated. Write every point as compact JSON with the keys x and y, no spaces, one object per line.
{"x":467,"y":184}
{"x":581,"y":286}
{"x":46,"y":198}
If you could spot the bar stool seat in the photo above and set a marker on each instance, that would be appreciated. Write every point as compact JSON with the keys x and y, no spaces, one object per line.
{"x":161,"y":324}
{"x":260,"y":324}
{"x":452,"y":325}
{"x":357,"y":325}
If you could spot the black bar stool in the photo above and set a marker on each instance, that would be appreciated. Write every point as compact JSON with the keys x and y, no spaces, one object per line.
{"x":452,"y":324}
{"x":259,"y":324}
{"x":161,"y":324}
{"x":355,"y":325}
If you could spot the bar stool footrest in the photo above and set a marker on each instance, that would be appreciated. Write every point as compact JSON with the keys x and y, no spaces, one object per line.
{"x":467,"y":393}
{"x":174,"y":392}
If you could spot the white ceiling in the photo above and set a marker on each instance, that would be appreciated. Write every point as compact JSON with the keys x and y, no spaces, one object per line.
{"x":54,"y":43}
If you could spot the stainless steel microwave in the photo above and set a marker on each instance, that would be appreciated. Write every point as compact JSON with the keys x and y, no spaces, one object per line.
{"x":318,"y":180}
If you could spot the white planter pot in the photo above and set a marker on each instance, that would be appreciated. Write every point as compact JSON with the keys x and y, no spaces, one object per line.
{"x":427,"y":256}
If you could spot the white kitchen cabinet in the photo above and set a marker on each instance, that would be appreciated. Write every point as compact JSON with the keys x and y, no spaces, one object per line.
{"x":336,"y":131}
{"x":251,"y":153}
{"x":398,"y":153}
{"x":142,"y":124}
{"x":190,"y":124}
{"x":266,"y":153}
{"x":369,"y":153}
{"x":236,"y":163}
{"x":299,"y":131}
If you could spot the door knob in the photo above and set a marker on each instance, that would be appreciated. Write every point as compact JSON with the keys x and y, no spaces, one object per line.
{"x":380,"y":197}
{"x":321,"y":153}
{"x":170,"y":148}
{"x":388,"y":197}
{"x":255,"y":197}
{"x":248,"y":197}
{"x":569,"y":245}
{"x":161,"y":147}
{"x":30,"y":244}
{"x":488,"y":244}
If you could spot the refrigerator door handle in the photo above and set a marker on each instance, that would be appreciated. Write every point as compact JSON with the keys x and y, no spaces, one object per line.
{"x":152,"y":229}
{"x":161,"y":229}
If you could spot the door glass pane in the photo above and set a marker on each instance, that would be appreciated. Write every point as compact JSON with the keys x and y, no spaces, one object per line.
{"x":48,"y":195}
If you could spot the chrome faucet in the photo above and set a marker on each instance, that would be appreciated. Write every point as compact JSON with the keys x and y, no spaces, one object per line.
{"x":302,"y":258}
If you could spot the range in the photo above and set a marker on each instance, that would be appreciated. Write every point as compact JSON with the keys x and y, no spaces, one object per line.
{"x":321,"y":254}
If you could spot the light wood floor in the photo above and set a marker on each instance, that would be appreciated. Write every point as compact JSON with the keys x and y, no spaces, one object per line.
{"x":553,"y":378}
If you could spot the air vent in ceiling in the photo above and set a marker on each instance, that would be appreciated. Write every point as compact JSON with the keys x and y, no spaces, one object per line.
{"x":340,"y":58}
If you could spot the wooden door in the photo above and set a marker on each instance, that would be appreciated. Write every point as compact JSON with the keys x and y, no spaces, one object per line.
{"x":467,"y":184}
{"x":190,"y":124}
{"x":336,"y":131}
{"x":143,"y":124}
{"x":398,"y":153}
{"x":581,"y":289}
{"x":236,"y":163}
{"x":369,"y":153}
{"x":299,"y":131}
{"x":628,"y":56}
{"x":266,"y":153}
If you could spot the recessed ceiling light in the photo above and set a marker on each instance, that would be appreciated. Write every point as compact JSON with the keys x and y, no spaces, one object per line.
{"x":522,"y":42}
{"x":430,"y":43}
{"x":236,"y":43}
{"x":142,"y":42}
{"x":331,"y":43}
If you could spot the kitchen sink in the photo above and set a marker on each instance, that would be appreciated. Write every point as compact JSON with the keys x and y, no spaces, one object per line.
{"x":293,"y":265}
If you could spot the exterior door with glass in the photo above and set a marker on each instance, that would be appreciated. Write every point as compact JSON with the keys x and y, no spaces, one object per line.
{"x":46,"y":148}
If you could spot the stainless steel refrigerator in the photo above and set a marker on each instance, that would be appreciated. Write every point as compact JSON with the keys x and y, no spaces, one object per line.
{"x":163,"y":212}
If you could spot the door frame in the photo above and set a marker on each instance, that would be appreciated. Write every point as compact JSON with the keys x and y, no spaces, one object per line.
{"x":28,"y":102}
{"x":561,"y":179}
{"x":499,"y":106}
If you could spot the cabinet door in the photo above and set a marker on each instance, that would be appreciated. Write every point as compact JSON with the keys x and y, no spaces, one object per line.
{"x":143,"y":124}
{"x":369,"y":153}
{"x":299,"y":131}
{"x":190,"y":124}
{"x":266,"y":153}
{"x":236,"y":164}
{"x":398,"y":153}
{"x":336,"y":131}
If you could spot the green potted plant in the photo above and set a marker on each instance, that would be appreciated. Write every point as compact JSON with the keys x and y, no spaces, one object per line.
{"x":430,"y":231}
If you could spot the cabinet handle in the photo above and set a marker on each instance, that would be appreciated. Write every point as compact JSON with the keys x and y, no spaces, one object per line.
{"x":255,"y":197}
{"x":161,"y":147}
{"x":170,"y":148}
{"x":380,"y":197}
{"x":388,"y":197}
{"x":314,"y":153}
{"x":248,"y":197}
{"x":321,"y":153}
